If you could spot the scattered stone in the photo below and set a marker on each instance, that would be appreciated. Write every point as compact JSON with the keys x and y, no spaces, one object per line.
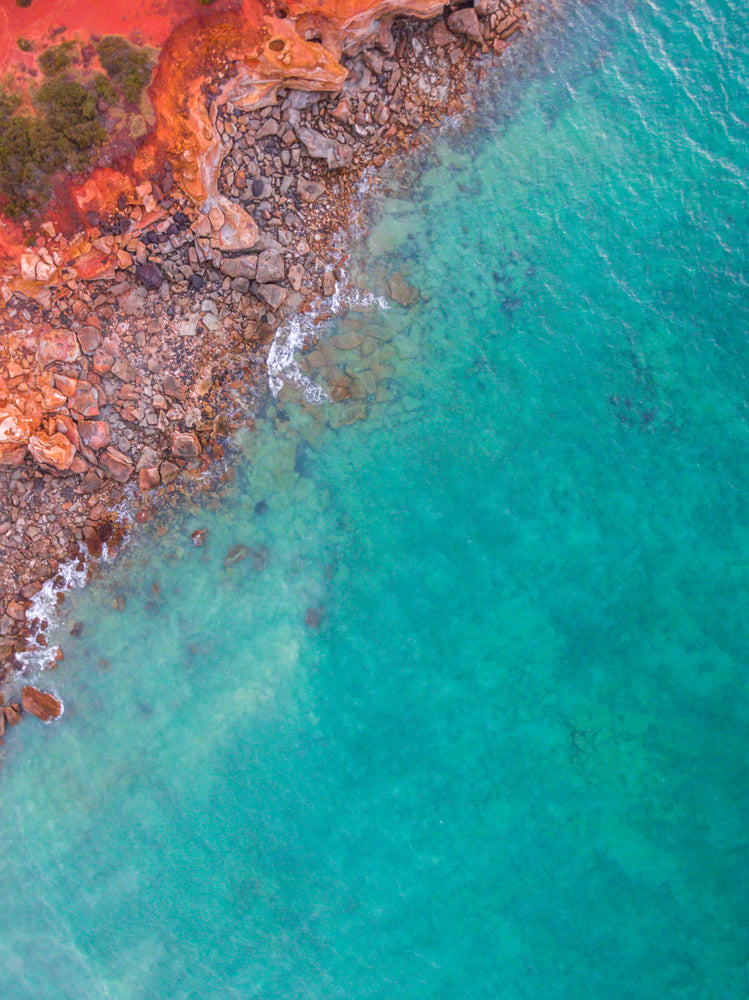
{"x":168,"y":472}
{"x":309,"y":191}
{"x":148,"y":478}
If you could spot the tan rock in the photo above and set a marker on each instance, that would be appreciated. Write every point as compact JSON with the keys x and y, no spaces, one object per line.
{"x":169,"y":472}
{"x":15,"y":430}
{"x":41,"y":704}
{"x":54,"y":450}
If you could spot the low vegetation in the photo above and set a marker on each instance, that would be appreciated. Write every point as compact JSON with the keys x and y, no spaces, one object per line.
{"x":128,"y":67}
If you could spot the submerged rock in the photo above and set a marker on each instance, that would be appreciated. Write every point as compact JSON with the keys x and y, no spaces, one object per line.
{"x":235,"y":554}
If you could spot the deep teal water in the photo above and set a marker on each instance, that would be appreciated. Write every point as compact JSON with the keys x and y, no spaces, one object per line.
{"x":513,"y":760}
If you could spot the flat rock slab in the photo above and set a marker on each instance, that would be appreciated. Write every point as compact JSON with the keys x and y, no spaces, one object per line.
{"x":41,"y":704}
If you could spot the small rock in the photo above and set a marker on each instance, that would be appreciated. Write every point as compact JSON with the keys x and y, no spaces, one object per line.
{"x":169,"y":472}
{"x":270,"y":267}
{"x":309,"y":191}
{"x":150,"y":275}
{"x":199,"y":536}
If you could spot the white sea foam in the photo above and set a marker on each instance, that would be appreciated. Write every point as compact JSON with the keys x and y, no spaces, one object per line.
{"x":44,"y":610}
{"x":301,"y":330}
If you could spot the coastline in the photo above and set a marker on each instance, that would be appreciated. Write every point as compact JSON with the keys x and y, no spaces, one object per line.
{"x":158,"y":360}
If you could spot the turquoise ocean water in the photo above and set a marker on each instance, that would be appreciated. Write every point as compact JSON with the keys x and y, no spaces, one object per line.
{"x":472,"y":719}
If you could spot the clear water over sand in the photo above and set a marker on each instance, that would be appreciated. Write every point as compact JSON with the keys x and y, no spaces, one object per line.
{"x":507,"y":753}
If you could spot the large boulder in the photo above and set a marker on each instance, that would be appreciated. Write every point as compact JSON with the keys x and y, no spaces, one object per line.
{"x":15,"y":430}
{"x":41,"y":704}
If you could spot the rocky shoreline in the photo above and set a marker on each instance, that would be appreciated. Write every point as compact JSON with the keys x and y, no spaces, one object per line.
{"x":131,"y":382}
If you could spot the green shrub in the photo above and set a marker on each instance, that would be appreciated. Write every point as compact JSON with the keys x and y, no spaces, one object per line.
{"x":70,"y":110}
{"x":128,"y":67}
{"x":24,"y":44}
{"x":54,"y":60}
{"x":28,"y":156}
{"x":23,"y":3}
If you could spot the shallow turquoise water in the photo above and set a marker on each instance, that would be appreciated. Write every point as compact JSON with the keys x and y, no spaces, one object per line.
{"x":513,"y":759}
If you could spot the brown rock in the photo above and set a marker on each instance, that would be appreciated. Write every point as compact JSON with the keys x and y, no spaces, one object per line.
{"x":185,"y":445}
{"x":199,"y":537}
{"x":240,"y":267}
{"x":103,"y":360}
{"x":149,"y":478}
{"x":41,"y":704}
{"x":58,"y":345}
{"x":310,"y":191}
{"x":54,"y":450}
{"x":169,"y":472}
{"x":465,"y":22}
{"x":116,"y":465}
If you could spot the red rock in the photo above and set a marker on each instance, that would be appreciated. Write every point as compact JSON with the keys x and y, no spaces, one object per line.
{"x":199,"y":537}
{"x":65,"y":384}
{"x":52,"y":399}
{"x":41,"y":704}
{"x":53,"y":450}
{"x":185,"y":445}
{"x":16,"y":611}
{"x":66,"y":425}
{"x":85,"y":401}
{"x":94,"y":433}
{"x":15,"y":428}
{"x":116,"y":465}
{"x":79,"y":465}
{"x":57,"y":345}
{"x":174,"y":388}
{"x":149,"y":478}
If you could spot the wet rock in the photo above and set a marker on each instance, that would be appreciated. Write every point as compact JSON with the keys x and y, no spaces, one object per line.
{"x":150,"y":275}
{"x":116,"y":465}
{"x":185,"y":445}
{"x":12,"y":714}
{"x":41,"y":704}
{"x":236,"y":554}
{"x":16,"y":611}
{"x":199,"y":536}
